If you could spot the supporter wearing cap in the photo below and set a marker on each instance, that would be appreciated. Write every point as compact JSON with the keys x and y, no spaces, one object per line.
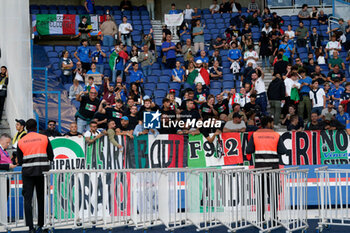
{"x":20,"y":125}
{"x":236,"y":125}
{"x":125,"y":128}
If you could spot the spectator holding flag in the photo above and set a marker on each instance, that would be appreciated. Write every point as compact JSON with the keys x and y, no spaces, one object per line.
{"x":117,"y":61}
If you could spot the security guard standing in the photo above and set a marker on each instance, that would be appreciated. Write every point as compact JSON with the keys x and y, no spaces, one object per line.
{"x":20,"y":124}
{"x":267,"y":146}
{"x":34,"y":153}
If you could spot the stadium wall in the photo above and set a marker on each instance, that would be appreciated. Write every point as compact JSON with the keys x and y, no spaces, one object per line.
{"x":16,"y":55}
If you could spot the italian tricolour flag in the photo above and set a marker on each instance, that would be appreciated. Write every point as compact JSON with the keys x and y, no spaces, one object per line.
{"x":59,"y":24}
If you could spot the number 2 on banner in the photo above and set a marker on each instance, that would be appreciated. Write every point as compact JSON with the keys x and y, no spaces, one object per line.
{"x":232,"y":148}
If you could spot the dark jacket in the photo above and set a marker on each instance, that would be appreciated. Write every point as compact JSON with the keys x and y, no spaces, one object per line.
{"x":276,"y":90}
{"x":212,"y":59}
{"x":315,"y":40}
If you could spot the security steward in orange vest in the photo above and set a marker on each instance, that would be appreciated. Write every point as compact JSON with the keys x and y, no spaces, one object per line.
{"x":268,"y":147}
{"x":34,"y":152}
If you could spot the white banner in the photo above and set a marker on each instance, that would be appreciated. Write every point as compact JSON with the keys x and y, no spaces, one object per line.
{"x":173,"y":19}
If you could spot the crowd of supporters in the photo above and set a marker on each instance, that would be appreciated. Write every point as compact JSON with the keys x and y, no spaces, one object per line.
{"x":220,"y":80}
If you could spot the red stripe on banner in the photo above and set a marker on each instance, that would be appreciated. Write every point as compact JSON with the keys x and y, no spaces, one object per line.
{"x":318,"y":147}
{"x":232,"y":148}
{"x":249,"y":156}
{"x":14,"y":182}
{"x":68,"y":24}
{"x":178,"y":153}
{"x":293,"y":148}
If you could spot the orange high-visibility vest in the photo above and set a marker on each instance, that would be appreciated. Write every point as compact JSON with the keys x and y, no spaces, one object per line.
{"x":35,"y":160}
{"x":266,"y":146}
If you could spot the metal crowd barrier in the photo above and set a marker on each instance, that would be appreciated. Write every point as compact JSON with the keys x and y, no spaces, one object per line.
{"x":333,"y":197}
{"x":12,"y":201}
{"x":234,"y":197}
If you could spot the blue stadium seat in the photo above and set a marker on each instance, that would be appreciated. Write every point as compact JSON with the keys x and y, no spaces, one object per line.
{"x":148,"y":92}
{"x":207,"y":37}
{"x":149,"y":86}
{"x":163,"y":86}
{"x":255,"y":29}
{"x":136,"y":17}
{"x":174,"y":85}
{"x":52,"y":54}
{"x":294,"y":18}
{"x":48,"y":48}
{"x":144,"y":13}
{"x":71,"y":49}
{"x":256,"y":36}
{"x":137,"y":39}
{"x":285,"y":18}
{"x":164,"y":78}
{"x":209,"y":21}
{"x":323,"y":27}
{"x":226,"y":64}
{"x":226,"y":71}
{"x":180,"y":59}
{"x":159,"y":101}
{"x":214,"y":31}
{"x":167,"y":72}
{"x":67,"y":86}
{"x":159,"y":93}
{"x":72,"y":12}
{"x":226,"y":15}
{"x":303,"y":56}
{"x":214,"y":92}
{"x":219,"y":21}
{"x":227,"y":77}
{"x":185,"y":37}
{"x":211,"y":26}
{"x":136,"y":32}
{"x":215,"y":85}
{"x":53,"y":11}
{"x":152,"y":79}
{"x":302,"y":50}
{"x":216,"y":15}
{"x":44,"y":11}
{"x":314,"y":22}
{"x":157,"y":72}
{"x":228,"y":85}
{"x":155,"y":66}
{"x":223,"y":52}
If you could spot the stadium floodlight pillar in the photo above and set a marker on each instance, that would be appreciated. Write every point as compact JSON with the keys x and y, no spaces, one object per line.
{"x":16,"y":55}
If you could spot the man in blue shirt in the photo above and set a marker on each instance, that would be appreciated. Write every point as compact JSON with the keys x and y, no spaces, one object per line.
{"x":89,"y":6}
{"x":305,"y":101}
{"x":234,"y":54}
{"x":203,"y":57}
{"x":336,"y":93}
{"x":168,"y":49}
{"x":136,"y":75}
{"x":93,"y":69}
{"x":173,"y":10}
{"x":83,"y":55}
{"x":98,"y":57}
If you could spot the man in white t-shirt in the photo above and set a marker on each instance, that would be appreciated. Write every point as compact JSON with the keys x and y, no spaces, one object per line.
{"x":251,"y":56}
{"x":93,"y":134}
{"x":332,"y":46}
{"x":259,"y":87}
{"x":188,"y":14}
{"x":215,"y":7}
{"x":318,"y":98}
{"x":125,"y":30}
{"x":236,"y":125}
{"x":329,"y":112}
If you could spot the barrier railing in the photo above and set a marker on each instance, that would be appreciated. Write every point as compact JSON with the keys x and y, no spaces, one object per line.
{"x":333,"y":197}
{"x":234,"y":197}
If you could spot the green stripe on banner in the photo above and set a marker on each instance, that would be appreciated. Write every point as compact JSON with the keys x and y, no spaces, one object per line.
{"x":43,"y":23}
{"x":196,"y":155}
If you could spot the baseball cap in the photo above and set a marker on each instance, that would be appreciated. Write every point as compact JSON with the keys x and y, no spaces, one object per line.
{"x":146,"y":97}
{"x":199,"y":61}
{"x":125,"y":118}
{"x":21,"y":121}
{"x":172,"y":91}
{"x":236,"y":114}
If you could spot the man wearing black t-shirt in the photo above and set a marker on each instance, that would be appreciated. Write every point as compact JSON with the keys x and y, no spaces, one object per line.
{"x":336,"y":74}
{"x":252,"y":105}
{"x":189,"y":114}
{"x":165,"y":109}
{"x":148,"y":106}
{"x":124,"y":128}
{"x":73,"y":130}
{"x":113,"y":113}
{"x":318,"y":75}
{"x":133,"y":117}
{"x":89,"y":104}
{"x":222,"y":105}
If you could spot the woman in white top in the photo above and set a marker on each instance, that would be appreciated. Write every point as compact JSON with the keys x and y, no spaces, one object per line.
{"x":75,"y":89}
{"x":290,"y":83}
{"x":188,"y":14}
{"x":290,"y":32}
